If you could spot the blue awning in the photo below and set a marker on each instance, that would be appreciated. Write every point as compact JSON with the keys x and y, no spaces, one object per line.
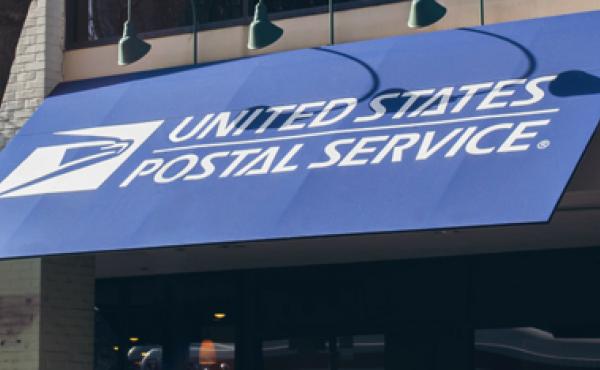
{"x":462,"y":128}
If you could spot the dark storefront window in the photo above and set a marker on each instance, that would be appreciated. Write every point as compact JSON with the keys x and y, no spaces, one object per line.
{"x":351,"y":352}
{"x":360,"y":352}
{"x":531,"y":348}
{"x":159,"y":323}
{"x":291,"y":5}
{"x":95,"y":20}
{"x":296,"y":354}
{"x":536,"y":311}
{"x":92,"y":22}
{"x":518,"y":312}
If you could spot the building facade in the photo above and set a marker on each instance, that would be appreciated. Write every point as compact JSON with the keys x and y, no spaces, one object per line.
{"x":511,"y":294}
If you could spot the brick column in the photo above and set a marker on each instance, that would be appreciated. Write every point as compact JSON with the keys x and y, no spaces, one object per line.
{"x":47,"y":313}
{"x":19,"y":314}
{"x":37,"y":67}
{"x":46,"y":304}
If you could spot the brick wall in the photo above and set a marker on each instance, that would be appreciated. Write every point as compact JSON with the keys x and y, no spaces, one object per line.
{"x":12,"y":16}
{"x":37,"y":67}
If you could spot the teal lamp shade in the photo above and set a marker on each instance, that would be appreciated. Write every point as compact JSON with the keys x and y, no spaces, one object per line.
{"x":424,"y":13}
{"x":262,"y":32}
{"x":131,"y":47}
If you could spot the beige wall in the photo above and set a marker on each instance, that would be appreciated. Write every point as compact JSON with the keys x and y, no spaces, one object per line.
{"x":311,"y":31}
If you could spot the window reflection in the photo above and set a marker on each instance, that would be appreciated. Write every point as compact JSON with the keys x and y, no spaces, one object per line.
{"x":205,"y":355}
{"x":361,"y":352}
{"x":101,"y":19}
{"x":153,"y":323}
{"x":210,"y":355}
{"x":533,"y":349}
{"x":146,"y":357}
{"x":296,"y":353}
{"x":358,"y":352}
{"x":287,"y":5}
{"x":93,"y":20}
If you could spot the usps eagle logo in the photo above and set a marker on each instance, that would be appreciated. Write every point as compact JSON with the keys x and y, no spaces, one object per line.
{"x":77,"y":166}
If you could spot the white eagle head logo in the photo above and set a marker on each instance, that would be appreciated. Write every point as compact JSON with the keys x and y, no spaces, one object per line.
{"x":79,"y":166}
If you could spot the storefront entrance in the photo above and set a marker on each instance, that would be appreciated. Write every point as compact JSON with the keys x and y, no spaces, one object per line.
{"x":499,"y":312}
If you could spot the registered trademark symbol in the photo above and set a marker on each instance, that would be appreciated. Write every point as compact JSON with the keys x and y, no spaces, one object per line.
{"x":543,"y":144}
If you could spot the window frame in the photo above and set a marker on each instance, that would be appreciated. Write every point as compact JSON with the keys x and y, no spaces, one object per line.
{"x":245,"y":20}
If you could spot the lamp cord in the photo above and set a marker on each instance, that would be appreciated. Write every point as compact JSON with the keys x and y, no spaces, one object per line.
{"x":482,"y":12}
{"x":331,"y":24}
{"x":195,"y":30}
